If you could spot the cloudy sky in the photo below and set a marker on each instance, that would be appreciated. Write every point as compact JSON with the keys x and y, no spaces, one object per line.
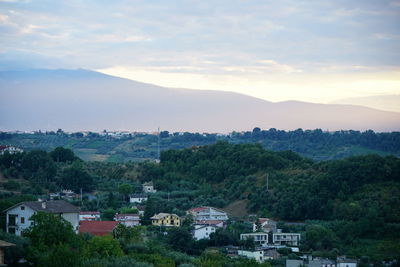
{"x":310,"y":50}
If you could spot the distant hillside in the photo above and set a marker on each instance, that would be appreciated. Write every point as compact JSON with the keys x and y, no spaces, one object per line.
{"x":314,"y":144}
{"x":85,"y":100}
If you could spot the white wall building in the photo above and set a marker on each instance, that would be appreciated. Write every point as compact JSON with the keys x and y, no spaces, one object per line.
{"x":148,"y":188}
{"x":257,"y":254}
{"x":208,"y":214}
{"x":138,"y":198}
{"x":260,"y":238}
{"x":89,"y":216}
{"x":346,"y":263}
{"x":128,"y":219}
{"x":288,"y":239}
{"x":10,"y":149}
{"x":202,"y":231}
{"x":266,"y":225}
{"x":18,"y":216}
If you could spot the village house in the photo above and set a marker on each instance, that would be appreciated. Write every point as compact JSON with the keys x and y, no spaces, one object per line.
{"x":285,"y":239}
{"x":18,"y":216}
{"x":257,"y":254}
{"x":10,"y":149}
{"x":166,"y":219}
{"x":89,"y":216}
{"x":265,"y":225}
{"x":98,"y":228}
{"x":202,"y":215}
{"x":321,"y":263}
{"x":140,"y":209}
{"x":202,"y":231}
{"x":138,"y":198}
{"x":260,"y":238}
{"x":128,"y":219}
{"x":343,"y":262}
{"x":148,"y":188}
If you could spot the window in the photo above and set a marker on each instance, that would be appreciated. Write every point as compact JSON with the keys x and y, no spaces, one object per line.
{"x":22,"y":207}
{"x":22,"y":220}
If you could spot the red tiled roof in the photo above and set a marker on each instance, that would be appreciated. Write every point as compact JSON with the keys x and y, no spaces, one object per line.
{"x":198,"y":209}
{"x":97,"y":227}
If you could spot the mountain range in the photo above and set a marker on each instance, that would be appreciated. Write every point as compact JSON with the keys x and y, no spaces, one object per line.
{"x":76,"y":100}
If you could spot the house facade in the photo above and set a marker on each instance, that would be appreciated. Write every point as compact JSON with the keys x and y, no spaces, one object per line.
{"x":138,"y":198}
{"x":265,"y":225}
{"x":89,"y":216}
{"x":260,"y":238}
{"x":128,"y":219}
{"x":10,"y":149}
{"x":18,"y":216}
{"x":257,"y":254}
{"x":202,"y":231}
{"x":148,"y":188}
{"x":205,"y":214}
{"x":287,"y":239}
{"x":166,"y":219}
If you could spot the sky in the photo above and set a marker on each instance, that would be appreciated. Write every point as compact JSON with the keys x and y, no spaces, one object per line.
{"x":314,"y":50}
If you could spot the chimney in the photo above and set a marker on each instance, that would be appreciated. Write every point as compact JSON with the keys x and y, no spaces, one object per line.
{"x":43,"y":204}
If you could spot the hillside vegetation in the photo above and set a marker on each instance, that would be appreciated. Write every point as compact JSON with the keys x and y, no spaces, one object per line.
{"x":313,"y":144}
{"x":353,"y":202}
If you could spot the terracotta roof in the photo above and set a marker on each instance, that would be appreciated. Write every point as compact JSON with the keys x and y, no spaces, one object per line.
{"x":52,"y":206}
{"x":89,"y":212}
{"x":97,"y":227}
{"x":198,"y":209}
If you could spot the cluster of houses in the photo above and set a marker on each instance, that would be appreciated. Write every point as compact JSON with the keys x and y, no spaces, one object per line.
{"x":206,"y":220}
{"x":309,"y":261}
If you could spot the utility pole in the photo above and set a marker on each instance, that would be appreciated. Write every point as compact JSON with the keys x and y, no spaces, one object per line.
{"x":267,"y":182}
{"x":159,"y":152}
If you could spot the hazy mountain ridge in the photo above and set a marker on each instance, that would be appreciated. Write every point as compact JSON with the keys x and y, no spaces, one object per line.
{"x":382,"y":102}
{"x":87,"y":100}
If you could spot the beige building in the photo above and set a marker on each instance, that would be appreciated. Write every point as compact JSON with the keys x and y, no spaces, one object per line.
{"x":166,"y":219}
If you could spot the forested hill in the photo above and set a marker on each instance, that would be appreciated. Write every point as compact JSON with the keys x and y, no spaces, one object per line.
{"x":119,"y":147}
{"x":357,"y":197}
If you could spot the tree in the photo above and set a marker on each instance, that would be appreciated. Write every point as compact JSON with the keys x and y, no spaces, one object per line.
{"x":180,"y":239}
{"x":76,"y":178}
{"x":60,"y":154}
{"x":103,"y":247}
{"x":125,"y":190}
{"x":51,"y":237}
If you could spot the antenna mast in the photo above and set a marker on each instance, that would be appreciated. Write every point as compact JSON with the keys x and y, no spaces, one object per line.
{"x":158,"y":152}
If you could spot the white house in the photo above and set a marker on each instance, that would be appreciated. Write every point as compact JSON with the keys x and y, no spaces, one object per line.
{"x":18,"y":216}
{"x":343,"y":262}
{"x":89,"y":216}
{"x":128,"y":219}
{"x":10,"y":149}
{"x":204,"y":214}
{"x":265,"y":224}
{"x":288,"y":239}
{"x":137,"y":198}
{"x":257,"y":254}
{"x":260,"y":238}
{"x":202,"y":231}
{"x":148,"y":188}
